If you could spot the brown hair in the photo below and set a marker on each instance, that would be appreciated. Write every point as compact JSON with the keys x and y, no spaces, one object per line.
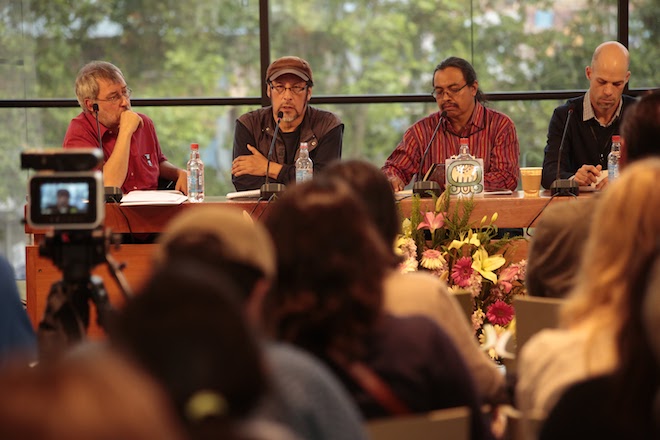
{"x":97,"y":396}
{"x":331,"y":264}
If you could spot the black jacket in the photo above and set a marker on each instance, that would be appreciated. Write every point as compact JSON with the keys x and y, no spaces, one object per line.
{"x":587,"y":142}
{"x":322,"y":130}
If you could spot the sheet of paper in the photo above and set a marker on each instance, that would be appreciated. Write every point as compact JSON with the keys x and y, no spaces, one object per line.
{"x":155,"y":197}
{"x":249,"y":194}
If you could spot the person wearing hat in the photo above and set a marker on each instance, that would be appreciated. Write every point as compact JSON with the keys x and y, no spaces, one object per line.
{"x":289,"y":87}
{"x":304,"y":396}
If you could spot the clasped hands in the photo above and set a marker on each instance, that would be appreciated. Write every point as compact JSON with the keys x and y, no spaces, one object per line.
{"x":588,"y":174}
{"x":254,"y":164}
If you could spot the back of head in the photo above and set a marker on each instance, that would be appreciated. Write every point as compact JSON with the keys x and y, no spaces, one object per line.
{"x":100,"y":397}
{"x":224,"y":238}
{"x":622,"y":239}
{"x":188,"y":330}
{"x":87,"y":80}
{"x":370,"y":185}
{"x":640,"y":128}
{"x":556,"y":248}
{"x":331,"y":263}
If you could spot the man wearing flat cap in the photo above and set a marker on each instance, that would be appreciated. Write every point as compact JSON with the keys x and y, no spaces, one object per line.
{"x":289,"y":80}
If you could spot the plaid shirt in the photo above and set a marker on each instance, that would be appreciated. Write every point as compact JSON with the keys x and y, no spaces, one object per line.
{"x":492,"y":137}
{"x":588,"y":111}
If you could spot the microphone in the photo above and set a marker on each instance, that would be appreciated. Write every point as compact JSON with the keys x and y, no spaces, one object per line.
{"x":564,"y":187}
{"x":98,"y":126}
{"x":113,"y":194}
{"x":426,"y":188}
{"x":269,"y":189}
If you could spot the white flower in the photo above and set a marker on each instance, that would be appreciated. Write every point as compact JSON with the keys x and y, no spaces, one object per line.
{"x":494,"y":341}
{"x":408,"y":265}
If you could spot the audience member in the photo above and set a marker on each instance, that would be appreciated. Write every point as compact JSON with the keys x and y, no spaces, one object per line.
{"x":619,"y":404}
{"x":556,"y":246}
{"x":417,"y":292}
{"x":304,"y":395}
{"x":596,"y":117}
{"x":131,"y":151}
{"x":651,"y":317}
{"x":492,"y":135}
{"x":562,"y":230}
{"x":289,"y":87}
{"x":328,"y":300}
{"x":101,"y":397}
{"x":622,"y":239}
{"x":17,"y":336}
{"x":187,"y":329}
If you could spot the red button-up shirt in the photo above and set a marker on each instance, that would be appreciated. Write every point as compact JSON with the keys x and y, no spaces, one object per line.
{"x":492,"y":137}
{"x":145,"y":156}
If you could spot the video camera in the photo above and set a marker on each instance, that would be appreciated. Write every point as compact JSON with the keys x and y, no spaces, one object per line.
{"x":67,"y":191}
{"x":67,"y":197}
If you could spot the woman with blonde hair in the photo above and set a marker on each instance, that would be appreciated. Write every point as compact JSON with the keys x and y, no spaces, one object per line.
{"x":598,"y":313}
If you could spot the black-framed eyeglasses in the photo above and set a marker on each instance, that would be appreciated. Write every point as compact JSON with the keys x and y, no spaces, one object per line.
{"x":114,"y":98}
{"x":280,"y":89}
{"x":451,"y":91}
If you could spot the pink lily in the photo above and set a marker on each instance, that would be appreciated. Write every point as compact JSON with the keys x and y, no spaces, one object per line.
{"x":432,"y":221}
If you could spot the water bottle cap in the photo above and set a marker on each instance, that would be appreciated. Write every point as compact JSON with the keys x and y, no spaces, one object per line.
{"x":194,"y":146}
{"x":616,"y":138}
{"x":464,"y":141}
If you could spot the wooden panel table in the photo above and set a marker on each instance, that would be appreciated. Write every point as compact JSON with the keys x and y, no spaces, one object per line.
{"x":514,"y":211}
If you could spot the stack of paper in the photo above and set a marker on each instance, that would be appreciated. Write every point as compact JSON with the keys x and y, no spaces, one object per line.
{"x":156,"y":197}
{"x":251,"y":194}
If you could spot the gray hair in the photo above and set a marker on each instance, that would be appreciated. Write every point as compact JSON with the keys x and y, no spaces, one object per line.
{"x":87,"y":85}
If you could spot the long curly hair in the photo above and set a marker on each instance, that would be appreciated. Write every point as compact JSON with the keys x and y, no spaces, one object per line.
{"x":331,"y":264}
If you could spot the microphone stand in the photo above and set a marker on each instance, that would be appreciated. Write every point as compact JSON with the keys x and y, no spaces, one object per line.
{"x":564,"y":187}
{"x":268,"y":190}
{"x":427,"y":188}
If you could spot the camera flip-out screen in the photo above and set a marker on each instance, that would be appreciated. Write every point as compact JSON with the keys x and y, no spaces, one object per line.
{"x":66,"y":200}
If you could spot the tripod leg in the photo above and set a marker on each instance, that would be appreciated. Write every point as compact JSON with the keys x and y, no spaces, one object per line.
{"x":60,"y":327}
{"x":99,"y":297}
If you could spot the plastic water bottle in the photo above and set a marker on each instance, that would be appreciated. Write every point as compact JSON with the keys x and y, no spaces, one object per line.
{"x":613,"y":159}
{"x":195,"y":169}
{"x":464,"y":149}
{"x":304,"y":165}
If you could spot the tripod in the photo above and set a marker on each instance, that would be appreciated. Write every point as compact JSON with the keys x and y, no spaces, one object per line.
{"x":66,"y":319}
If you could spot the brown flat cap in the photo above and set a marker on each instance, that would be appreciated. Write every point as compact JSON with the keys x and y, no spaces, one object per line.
{"x":289,"y":64}
{"x":243,"y":240}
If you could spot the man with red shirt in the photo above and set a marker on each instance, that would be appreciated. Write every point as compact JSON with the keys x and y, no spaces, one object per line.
{"x":131,"y":151}
{"x":491,"y":134}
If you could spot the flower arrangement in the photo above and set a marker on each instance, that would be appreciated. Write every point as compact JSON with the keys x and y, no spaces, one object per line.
{"x":468,"y":258}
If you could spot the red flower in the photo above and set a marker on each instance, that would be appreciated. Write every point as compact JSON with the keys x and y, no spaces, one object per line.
{"x":462,"y":271}
{"x":500,"y":313}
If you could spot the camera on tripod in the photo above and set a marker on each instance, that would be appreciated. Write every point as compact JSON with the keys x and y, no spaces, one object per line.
{"x":67,"y":197}
{"x":67,"y":191}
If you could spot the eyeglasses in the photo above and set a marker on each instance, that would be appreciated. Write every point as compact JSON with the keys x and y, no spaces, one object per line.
{"x":296,"y":90}
{"x":451,"y":91}
{"x":114,"y":98}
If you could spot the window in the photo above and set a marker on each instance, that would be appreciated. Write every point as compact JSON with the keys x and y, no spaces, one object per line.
{"x":194,"y":67}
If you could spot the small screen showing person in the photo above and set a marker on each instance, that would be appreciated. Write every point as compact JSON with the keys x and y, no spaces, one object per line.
{"x":70,"y":198}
